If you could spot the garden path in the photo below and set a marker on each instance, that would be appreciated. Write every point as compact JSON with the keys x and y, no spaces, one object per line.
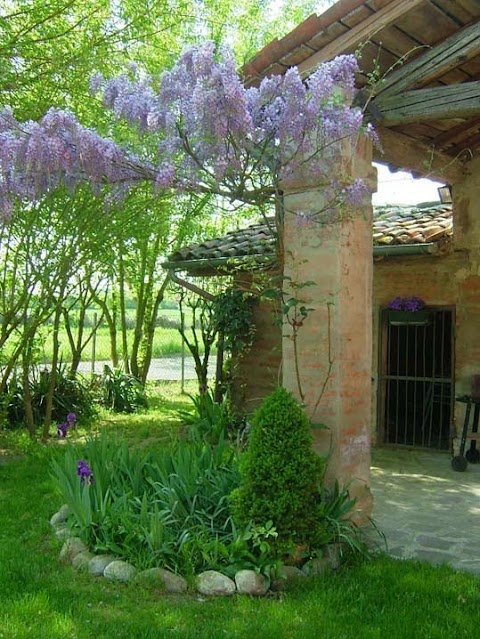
{"x":426,"y":509}
{"x":161,"y":368}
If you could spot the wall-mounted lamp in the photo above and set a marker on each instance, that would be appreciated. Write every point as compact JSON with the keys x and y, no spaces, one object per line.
{"x":445,"y":194}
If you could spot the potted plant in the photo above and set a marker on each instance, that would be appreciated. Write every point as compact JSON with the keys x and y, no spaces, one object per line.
{"x":407,"y":310}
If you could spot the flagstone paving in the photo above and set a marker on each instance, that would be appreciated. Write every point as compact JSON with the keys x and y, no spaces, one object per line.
{"x":426,"y":509}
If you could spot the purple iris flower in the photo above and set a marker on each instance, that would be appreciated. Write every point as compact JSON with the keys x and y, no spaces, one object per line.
{"x":84,"y":472}
{"x":62,"y":430}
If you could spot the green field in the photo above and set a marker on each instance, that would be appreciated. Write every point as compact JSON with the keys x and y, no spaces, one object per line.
{"x":167,"y":341}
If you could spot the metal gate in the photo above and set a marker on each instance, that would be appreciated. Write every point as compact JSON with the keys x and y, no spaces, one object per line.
{"x":416,"y":381}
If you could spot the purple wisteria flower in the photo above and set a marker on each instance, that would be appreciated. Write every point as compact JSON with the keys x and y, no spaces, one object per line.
{"x":214,"y":134}
{"x":84,"y":472}
{"x":410,"y":304}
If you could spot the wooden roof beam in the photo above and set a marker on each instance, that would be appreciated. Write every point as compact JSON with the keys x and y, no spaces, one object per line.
{"x":359,"y":34}
{"x":456,"y":133}
{"x":427,"y":67}
{"x":420,"y":158}
{"x":256,"y":68}
{"x":423,"y":105}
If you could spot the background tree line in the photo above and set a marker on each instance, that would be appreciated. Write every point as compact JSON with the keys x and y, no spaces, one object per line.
{"x":62,"y":255}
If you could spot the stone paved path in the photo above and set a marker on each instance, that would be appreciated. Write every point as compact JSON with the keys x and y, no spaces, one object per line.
{"x":427,"y":510}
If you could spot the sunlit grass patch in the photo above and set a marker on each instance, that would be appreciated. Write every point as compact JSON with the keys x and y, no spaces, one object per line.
{"x":40,"y":598}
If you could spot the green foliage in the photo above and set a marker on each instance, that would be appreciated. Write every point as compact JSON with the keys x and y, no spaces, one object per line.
{"x":121,"y":392}
{"x":282,"y":481}
{"x":166,"y":508}
{"x":44,"y":600}
{"x":71,"y":395}
{"x":233,"y":311}
{"x":253,"y":550}
{"x":281,"y":473}
{"x":334,"y":511}
{"x":209,"y":421}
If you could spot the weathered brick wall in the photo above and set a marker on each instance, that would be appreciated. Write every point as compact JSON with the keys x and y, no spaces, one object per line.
{"x":332,"y":356}
{"x":258,"y":371}
{"x":449,"y":280}
{"x":430,"y":278}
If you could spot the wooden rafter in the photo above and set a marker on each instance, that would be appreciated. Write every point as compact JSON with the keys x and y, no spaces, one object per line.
{"x":437,"y":103}
{"x":457,"y":133}
{"x":433,"y":64}
{"x":466,"y":148}
{"x":422,"y":159}
{"x":359,"y":34}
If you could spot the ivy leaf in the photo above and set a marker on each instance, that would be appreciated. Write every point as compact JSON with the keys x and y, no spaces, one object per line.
{"x":271,"y":294}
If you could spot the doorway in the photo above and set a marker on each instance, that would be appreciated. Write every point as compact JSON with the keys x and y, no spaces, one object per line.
{"x":416,"y":390}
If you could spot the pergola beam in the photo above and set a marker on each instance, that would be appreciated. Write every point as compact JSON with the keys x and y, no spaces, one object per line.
{"x":424,"y":69}
{"x":419,"y":158}
{"x":423,"y":105}
{"x":361,"y":33}
{"x":457,"y":133}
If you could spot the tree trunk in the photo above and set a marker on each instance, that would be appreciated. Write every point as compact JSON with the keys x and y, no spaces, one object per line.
{"x":27,"y":395}
{"x":53,"y":374}
{"x":123,"y":316}
{"x":149,"y":334}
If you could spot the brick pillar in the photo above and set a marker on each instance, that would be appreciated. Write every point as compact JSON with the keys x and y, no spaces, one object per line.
{"x":466,"y":279}
{"x":334,"y":345}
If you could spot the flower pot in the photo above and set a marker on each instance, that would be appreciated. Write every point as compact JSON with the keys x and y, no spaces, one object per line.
{"x":413,"y":318}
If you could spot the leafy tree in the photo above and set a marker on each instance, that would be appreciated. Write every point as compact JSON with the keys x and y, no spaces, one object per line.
{"x":206,"y":134}
{"x":214,"y":135}
{"x":143,"y":233}
{"x":42,"y":246}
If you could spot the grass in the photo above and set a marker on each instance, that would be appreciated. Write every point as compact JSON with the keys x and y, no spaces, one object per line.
{"x":43,"y":599}
{"x":167,"y":342}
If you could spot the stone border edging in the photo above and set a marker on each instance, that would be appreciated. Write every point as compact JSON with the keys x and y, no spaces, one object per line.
{"x":209,"y":582}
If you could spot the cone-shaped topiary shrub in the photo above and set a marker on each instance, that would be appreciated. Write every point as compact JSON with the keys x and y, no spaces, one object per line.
{"x":280,"y":472}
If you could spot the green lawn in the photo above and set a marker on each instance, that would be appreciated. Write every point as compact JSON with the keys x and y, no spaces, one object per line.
{"x":167,"y":341}
{"x":42,"y":599}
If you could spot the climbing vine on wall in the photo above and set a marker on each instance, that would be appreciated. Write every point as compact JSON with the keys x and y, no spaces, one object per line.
{"x":233,"y":310}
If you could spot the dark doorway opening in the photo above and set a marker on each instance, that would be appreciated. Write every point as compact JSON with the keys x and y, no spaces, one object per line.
{"x":416,"y":383}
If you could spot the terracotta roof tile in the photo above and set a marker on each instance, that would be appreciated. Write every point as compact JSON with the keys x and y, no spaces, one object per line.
{"x":392,"y":225}
{"x":401,"y":225}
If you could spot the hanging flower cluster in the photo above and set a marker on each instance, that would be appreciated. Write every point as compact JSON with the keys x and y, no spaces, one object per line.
{"x":211,"y":133}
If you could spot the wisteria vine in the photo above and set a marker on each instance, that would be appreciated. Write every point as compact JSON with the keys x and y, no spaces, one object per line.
{"x":210,"y":134}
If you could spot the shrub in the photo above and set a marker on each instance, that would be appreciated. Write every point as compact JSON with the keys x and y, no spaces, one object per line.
{"x":72,"y":394}
{"x":122,"y":393}
{"x":209,"y":421}
{"x":280,"y":472}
